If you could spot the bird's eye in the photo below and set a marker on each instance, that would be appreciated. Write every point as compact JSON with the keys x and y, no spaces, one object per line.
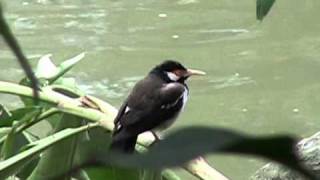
{"x":179,"y":73}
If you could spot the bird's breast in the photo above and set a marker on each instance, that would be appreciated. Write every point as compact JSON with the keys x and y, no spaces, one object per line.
{"x":167,"y":123}
{"x":185,"y":97}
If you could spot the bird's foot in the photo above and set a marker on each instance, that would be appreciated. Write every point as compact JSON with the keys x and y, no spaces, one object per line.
{"x":157,"y":138}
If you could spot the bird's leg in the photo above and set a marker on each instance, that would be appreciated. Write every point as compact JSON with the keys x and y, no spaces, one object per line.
{"x":156,"y":136}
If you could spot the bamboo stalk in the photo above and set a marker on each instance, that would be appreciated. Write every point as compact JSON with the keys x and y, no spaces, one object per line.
{"x":197,"y":167}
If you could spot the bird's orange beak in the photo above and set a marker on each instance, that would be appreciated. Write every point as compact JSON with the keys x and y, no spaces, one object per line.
{"x":191,"y":72}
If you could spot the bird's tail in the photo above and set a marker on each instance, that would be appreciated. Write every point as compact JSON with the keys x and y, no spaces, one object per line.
{"x":123,"y":144}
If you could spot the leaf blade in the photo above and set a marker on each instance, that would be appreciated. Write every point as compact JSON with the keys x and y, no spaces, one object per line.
{"x":11,"y":165}
{"x":263,"y":7}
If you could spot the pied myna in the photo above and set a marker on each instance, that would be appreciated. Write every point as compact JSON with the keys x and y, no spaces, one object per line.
{"x":154,"y":103}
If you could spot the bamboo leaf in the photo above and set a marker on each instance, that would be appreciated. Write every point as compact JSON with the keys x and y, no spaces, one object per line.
{"x":4,"y":131}
{"x":24,"y":115}
{"x":46,"y":69}
{"x":263,"y":7}
{"x":113,"y":174}
{"x":71,"y":106}
{"x":82,"y":175}
{"x":37,"y":131}
{"x":150,"y":175}
{"x":21,"y":115}
{"x":99,"y":143}
{"x":18,"y":117}
{"x":7,"y":148}
{"x":4,"y":115}
{"x":48,"y":73}
{"x":66,"y":65}
{"x":196,"y":141}
{"x":14,"y":163}
{"x":168,"y":174}
{"x":35,"y":118}
{"x":58,"y":159}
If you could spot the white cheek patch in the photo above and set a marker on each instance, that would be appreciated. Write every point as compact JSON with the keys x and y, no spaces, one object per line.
{"x":172,"y":76}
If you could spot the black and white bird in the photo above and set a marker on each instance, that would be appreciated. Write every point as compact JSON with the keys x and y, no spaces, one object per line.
{"x":153,"y":104}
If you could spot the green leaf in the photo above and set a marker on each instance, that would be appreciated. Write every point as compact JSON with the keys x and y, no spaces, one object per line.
{"x":150,"y":175}
{"x":25,"y":172}
{"x":263,"y":7}
{"x":168,"y":174}
{"x":114,"y":173}
{"x":48,"y":73}
{"x":4,"y":115}
{"x":36,"y":123}
{"x":196,"y":141}
{"x":7,"y":147}
{"x":14,"y":163}
{"x":59,"y":158}
{"x":30,"y":136}
{"x":100,"y":143}
{"x":12,"y":144}
{"x":23,"y":115}
{"x":43,"y":125}
{"x":48,"y":70}
{"x":82,"y":175}
{"x":4,"y":131}
{"x":66,"y":65}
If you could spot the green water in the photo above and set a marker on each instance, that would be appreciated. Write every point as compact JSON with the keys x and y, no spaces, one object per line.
{"x":263,"y":78}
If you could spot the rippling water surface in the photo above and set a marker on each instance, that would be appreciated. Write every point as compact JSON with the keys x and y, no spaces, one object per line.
{"x":263,"y":78}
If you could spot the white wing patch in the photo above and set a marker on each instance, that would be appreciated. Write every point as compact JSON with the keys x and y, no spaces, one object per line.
{"x":185,"y":97}
{"x":127,"y":109}
{"x":118,"y":124}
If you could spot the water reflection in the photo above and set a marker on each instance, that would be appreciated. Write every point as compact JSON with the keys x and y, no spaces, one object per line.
{"x":107,"y":88}
{"x":231,"y":81}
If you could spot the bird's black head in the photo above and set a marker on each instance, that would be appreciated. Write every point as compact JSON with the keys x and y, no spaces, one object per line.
{"x":173,"y":71}
{"x":170,"y":66}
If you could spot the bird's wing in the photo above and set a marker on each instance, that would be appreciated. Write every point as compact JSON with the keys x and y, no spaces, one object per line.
{"x":121,"y":112}
{"x":143,"y":106}
{"x":171,"y":93}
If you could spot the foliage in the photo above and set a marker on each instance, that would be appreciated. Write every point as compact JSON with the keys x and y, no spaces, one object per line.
{"x":67,"y":141}
{"x":59,"y":144}
{"x":263,"y":7}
